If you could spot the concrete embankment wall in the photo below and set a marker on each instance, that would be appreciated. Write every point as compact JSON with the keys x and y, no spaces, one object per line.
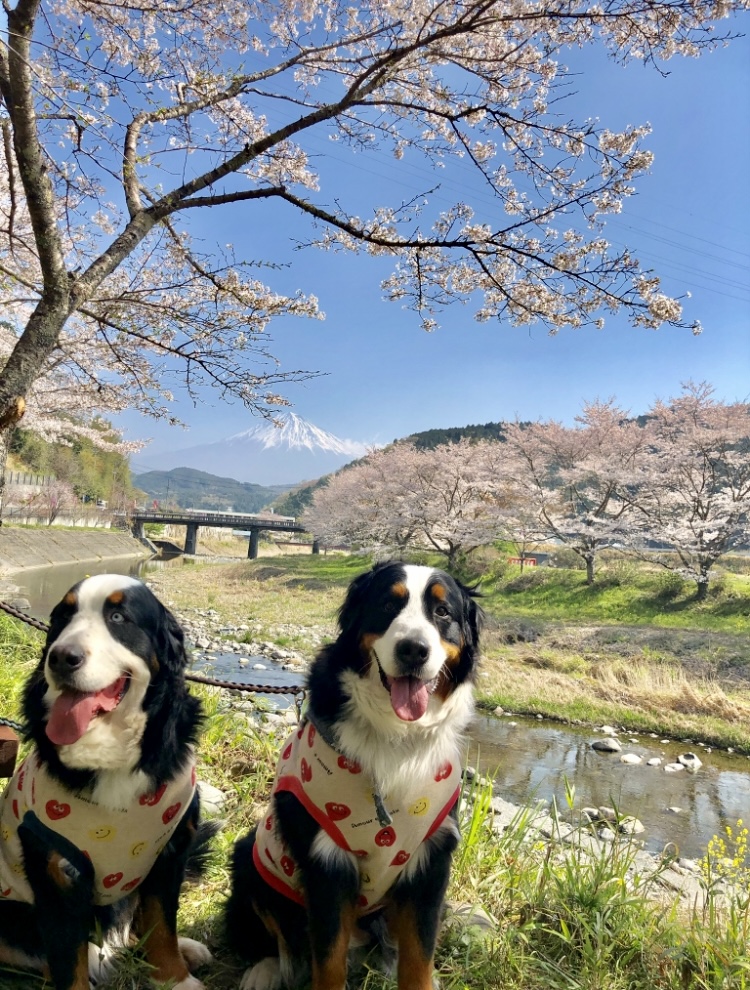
{"x":20,"y":548}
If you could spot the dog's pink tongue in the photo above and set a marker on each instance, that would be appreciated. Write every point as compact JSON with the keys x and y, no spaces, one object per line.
{"x":72,"y":712}
{"x":409,"y":698}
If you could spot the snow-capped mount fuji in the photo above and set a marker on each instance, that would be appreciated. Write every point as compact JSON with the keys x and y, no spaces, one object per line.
{"x":292,"y":431}
{"x":281,"y":453}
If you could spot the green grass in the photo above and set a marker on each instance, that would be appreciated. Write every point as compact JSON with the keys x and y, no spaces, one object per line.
{"x":642,"y":597}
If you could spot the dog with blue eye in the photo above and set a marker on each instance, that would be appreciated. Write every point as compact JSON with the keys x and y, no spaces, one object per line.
{"x":355,"y":849}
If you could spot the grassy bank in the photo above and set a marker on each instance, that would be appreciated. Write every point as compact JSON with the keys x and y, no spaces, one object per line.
{"x":551,"y":645}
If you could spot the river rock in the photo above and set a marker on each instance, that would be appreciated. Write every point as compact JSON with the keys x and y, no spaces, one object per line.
{"x":606,"y":814}
{"x":631,"y":758}
{"x":690,"y":761}
{"x":213,"y":800}
{"x":655,"y":761}
{"x":673,"y":767}
{"x":608,"y":730}
{"x":629,"y":825}
{"x":22,"y":604}
{"x":606,"y":835}
{"x":607,"y":745}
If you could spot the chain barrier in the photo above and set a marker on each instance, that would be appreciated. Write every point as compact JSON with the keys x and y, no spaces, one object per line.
{"x":296,"y":690}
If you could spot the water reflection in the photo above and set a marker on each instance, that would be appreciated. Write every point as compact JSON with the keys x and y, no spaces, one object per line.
{"x":45,"y":586}
{"x":530,"y":760}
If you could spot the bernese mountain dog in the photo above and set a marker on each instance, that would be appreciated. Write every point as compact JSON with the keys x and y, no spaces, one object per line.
{"x":355,"y":849}
{"x":100,"y":820}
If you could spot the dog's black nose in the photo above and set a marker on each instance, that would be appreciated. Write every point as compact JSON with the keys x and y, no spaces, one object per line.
{"x":412,"y":652}
{"x":63,"y":659}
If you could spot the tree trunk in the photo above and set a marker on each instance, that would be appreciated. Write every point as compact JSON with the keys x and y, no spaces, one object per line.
{"x":702,"y":592}
{"x":589,"y":569}
{"x":4,"y":448}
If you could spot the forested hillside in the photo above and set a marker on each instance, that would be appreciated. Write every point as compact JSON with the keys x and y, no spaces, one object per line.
{"x":92,"y":473}
{"x":192,"y":489}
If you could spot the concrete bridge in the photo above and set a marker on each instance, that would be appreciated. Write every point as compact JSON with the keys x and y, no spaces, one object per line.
{"x":193,"y":519}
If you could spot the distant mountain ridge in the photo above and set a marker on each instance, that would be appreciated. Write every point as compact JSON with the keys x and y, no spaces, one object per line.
{"x":285,"y":454}
{"x":191,"y":489}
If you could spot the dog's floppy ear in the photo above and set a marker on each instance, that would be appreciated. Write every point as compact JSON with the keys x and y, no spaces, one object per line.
{"x":174,"y":645}
{"x":473,"y":613}
{"x":356,"y":595}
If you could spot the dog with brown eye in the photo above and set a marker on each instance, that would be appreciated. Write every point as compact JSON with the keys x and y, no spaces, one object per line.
{"x":353,"y":855}
{"x":100,"y":823}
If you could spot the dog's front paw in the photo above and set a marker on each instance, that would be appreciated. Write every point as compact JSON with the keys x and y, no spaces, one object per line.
{"x":265,"y":975}
{"x":189,"y":983}
{"x":101,"y":964}
{"x":195,"y":954}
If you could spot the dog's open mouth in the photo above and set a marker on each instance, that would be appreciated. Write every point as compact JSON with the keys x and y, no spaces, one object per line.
{"x":73,"y":711}
{"x":410,"y":696}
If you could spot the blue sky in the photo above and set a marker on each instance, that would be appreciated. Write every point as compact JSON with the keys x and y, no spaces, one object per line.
{"x":386,"y":378}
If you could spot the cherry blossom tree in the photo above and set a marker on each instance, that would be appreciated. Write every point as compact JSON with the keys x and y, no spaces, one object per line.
{"x":578,"y":481}
{"x":46,"y":501}
{"x":694,"y":496}
{"x":121,"y":120}
{"x":446,"y":499}
{"x":362,"y":506}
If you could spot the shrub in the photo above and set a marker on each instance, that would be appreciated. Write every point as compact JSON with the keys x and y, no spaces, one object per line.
{"x":669,"y":585}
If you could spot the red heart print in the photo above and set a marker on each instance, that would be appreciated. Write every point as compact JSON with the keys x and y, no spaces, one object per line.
{"x":287,"y":752}
{"x":171,"y":812}
{"x":287,"y":865}
{"x":400,"y":858}
{"x":152,"y":799}
{"x":6,"y":893}
{"x":56,"y":810}
{"x":362,"y":901}
{"x":131,"y":884}
{"x":269,"y":823}
{"x":305,"y":771}
{"x":21,"y":775}
{"x":311,"y":735}
{"x":444,"y":772}
{"x":351,"y":765}
{"x":385,"y":837}
{"x":337,"y":812}
{"x":112,"y":880}
{"x":14,"y":806}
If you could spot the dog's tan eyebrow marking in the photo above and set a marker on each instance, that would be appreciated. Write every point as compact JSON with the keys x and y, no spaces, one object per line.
{"x":71,"y":598}
{"x":116,"y":598}
{"x":439,"y":592}
{"x":399,"y":589}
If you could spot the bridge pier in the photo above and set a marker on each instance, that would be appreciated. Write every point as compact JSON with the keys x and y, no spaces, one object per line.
{"x":191,"y":538}
{"x":252,"y":544}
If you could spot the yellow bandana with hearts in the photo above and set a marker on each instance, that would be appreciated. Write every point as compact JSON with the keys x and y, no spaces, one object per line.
{"x":122,"y":843}
{"x":340,"y":797}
